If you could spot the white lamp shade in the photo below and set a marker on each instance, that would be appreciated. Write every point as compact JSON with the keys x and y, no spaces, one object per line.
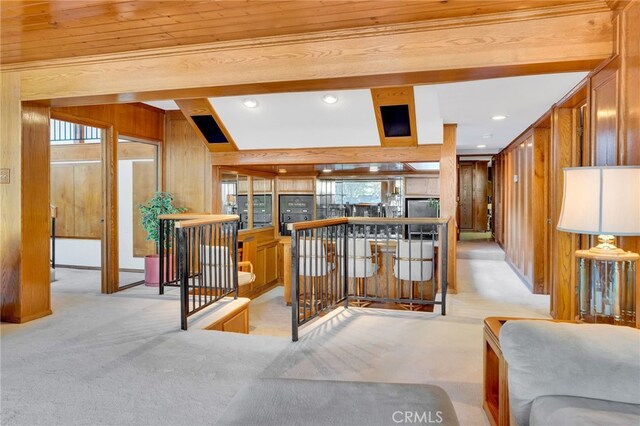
{"x":601,"y":201}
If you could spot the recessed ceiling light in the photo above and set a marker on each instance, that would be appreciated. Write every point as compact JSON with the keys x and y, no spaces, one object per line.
{"x":282,"y":170}
{"x":498,"y":117}
{"x":330,"y":99}
{"x":250,"y":103}
{"x":482,"y":146}
{"x":487,"y":136}
{"x":373,"y":168}
{"x":326,"y":170}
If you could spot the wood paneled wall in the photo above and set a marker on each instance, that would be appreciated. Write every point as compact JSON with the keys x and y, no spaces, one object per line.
{"x":523,"y":211}
{"x":187,"y":165}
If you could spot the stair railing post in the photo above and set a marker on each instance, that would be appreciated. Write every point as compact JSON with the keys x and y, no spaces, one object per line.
{"x":295,"y":309}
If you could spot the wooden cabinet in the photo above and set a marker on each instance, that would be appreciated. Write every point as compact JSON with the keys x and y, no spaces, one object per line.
{"x":422,"y":186}
{"x":296,"y":186}
{"x":262,"y":186}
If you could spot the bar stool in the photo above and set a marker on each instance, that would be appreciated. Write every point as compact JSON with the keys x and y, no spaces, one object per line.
{"x":413,"y":262}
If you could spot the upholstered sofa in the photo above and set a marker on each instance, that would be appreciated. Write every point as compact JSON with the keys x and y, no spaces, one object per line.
{"x":572,"y":374}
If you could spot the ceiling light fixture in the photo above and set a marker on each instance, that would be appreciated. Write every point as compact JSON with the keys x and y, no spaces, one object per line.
{"x":330,"y":99}
{"x":250,"y":103}
{"x":487,"y":136}
{"x":373,"y":168}
{"x":326,"y":170}
{"x":482,"y":146}
{"x":282,"y":170}
{"x":498,"y":117}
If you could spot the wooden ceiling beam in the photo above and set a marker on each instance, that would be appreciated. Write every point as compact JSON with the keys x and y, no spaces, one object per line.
{"x":341,"y":155}
{"x":462,"y":47}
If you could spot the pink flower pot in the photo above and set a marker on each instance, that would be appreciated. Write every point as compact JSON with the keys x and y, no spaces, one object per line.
{"x":152,"y":269}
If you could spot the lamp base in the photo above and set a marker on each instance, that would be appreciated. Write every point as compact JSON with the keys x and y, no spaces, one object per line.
{"x":606,"y":249}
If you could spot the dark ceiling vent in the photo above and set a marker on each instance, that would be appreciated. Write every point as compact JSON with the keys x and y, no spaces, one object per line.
{"x":209,"y":128}
{"x":395,"y":120}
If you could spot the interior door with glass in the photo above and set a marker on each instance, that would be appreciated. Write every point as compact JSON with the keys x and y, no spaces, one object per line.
{"x":137,"y":183}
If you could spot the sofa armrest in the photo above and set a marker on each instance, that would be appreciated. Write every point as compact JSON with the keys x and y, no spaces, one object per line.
{"x":584,"y":360}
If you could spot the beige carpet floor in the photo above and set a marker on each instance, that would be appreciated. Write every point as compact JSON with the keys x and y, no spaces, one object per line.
{"x":121,"y":359}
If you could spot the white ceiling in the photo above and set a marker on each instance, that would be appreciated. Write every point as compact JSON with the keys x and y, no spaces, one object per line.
{"x":303,"y":120}
{"x":523,"y":100}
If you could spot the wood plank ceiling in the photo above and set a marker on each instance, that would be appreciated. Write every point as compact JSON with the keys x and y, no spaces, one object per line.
{"x":44,"y":30}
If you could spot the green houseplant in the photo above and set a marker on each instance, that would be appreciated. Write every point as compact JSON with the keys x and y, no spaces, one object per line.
{"x":161,"y":203}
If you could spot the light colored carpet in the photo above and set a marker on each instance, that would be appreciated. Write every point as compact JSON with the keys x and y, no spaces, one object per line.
{"x":485,"y":250}
{"x":121,"y":359}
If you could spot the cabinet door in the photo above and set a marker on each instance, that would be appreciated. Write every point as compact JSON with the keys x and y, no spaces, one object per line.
{"x":433,"y":186}
{"x":296,"y":185}
{"x":271,"y":265}
{"x":423,"y":186}
{"x":260,"y":267}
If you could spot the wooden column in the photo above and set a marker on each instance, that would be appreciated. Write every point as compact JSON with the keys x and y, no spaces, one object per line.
{"x":24,"y":229}
{"x":629,"y":129}
{"x":448,"y":195}
{"x":562,"y":244}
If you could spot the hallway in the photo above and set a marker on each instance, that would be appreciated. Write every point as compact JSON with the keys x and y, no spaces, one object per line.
{"x":124,"y":356}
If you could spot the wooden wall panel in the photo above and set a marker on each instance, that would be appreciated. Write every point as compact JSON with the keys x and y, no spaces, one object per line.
{"x":87,"y":201}
{"x":187,"y":165}
{"x":62,"y":196}
{"x":522,"y":212}
{"x":144,"y":185}
{"x":540,"y":212}
{"x":604,"y":115}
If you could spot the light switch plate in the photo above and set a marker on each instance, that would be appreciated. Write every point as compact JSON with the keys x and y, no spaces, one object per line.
{"x":5,"y":175}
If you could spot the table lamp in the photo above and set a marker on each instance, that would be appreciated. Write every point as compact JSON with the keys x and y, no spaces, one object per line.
{"x":604,"y":201}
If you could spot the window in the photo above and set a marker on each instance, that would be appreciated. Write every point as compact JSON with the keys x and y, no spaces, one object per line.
{"x":65,"y":133}
{"x":355,"y":192}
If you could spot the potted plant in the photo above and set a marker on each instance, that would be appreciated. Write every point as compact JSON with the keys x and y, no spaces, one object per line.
{"x":161,"y":203}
